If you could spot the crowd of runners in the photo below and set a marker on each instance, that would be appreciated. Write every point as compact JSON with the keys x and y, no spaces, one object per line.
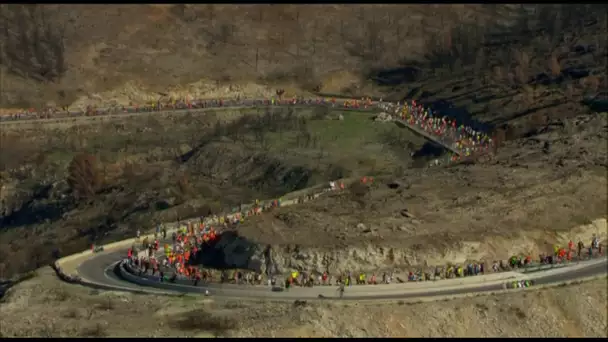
{"x":168,"y":258}
{"x":464,"y":139}
{"x":185,"y":243}
{"x":175,"y":266}
{"x":185,"y":104}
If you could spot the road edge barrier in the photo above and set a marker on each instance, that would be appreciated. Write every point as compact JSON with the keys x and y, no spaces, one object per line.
{"x":77,"y":280}
{"x":408,"y":286}
{"x":127,"y":275}
{"x":234,"y":293}
{"x":494,"y":279}
{"x":420,"y":300}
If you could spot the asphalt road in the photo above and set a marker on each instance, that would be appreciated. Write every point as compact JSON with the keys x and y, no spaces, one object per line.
{"x":101,"y":270}
{"x":244,"y":104}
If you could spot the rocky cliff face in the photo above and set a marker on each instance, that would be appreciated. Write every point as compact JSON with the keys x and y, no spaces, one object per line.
{"x":234,"y":251}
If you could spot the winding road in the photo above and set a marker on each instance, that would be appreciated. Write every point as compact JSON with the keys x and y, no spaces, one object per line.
{"x":227,"y":105}
{"x":107,"y":270}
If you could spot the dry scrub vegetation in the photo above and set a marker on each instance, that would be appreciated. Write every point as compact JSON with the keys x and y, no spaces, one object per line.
{"x":81,"y":51}
{"x":45,"y":307}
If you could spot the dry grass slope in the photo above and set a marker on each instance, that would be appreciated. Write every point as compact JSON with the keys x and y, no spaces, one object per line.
{"x":169,"y":48}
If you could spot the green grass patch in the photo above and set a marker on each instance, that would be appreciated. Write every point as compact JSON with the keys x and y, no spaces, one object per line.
{"x":357,"y":139}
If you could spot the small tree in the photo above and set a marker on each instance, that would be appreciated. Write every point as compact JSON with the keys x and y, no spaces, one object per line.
{"x":184,"y":186}
{"x":591,"y":83}
{"x":499,"y":139}
{"x":554,"y":65}
{"x":84,"y":176}
{"x":520,"y":75}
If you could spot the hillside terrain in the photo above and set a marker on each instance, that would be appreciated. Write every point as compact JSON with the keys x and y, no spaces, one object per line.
{"x":532,"y":76}
{"x":540,"y":84}
{"x":87,"y":54}
{"x":499,"y":67}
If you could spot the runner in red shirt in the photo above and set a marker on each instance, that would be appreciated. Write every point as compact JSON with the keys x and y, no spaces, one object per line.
{"x":562,"y":253}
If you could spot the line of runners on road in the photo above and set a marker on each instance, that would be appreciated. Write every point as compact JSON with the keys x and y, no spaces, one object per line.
{"x":174,"y":261}
{"x":177,"y":266}
{"x":457,"y":135}
{"x":465,"y":139}
{"x":185,"y":104}
{"x":468,"y":141}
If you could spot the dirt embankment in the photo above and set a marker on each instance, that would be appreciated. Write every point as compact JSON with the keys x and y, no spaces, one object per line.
{"x":238,"y":252}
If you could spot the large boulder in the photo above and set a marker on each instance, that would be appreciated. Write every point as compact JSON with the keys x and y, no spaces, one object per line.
{"x":231,"y":251}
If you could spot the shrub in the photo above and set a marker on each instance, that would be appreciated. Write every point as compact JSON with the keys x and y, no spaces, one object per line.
{"x":95,"y":330}
{"x":202,"y":320}
{"x":183,"y":184}
{"x":358,"y":190}
{"x":537,"y":120}
{"x":84,"y":176}
{"x":499,"y":138}
{"x":554,"y":65}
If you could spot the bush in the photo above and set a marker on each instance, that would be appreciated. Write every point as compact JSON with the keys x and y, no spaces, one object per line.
{"x":202,"y":320}
{"x":95,"y":330}
{"x":554,"y":65}
{"x":500,"y":135}
{"x":358,"y":193}
{"x":183,"y":184}
{"x":84,"y":176}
